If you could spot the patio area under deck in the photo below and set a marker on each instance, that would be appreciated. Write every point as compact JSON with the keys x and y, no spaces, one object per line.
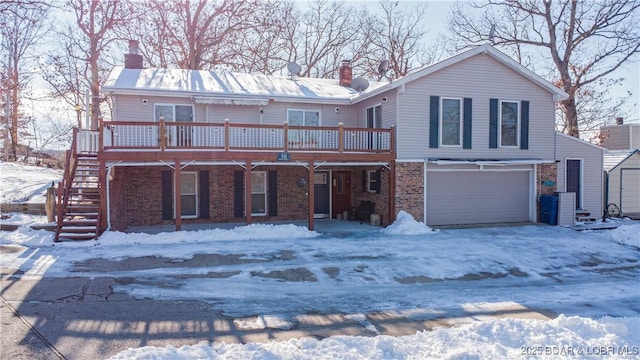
{"x":178,"y":145}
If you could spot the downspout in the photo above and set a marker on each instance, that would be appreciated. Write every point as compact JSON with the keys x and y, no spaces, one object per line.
{"x":108,"y":198}
{"x":605,"y":213}
{"x":424,"y":192}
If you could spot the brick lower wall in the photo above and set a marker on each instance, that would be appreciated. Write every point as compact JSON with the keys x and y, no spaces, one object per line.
{"x":381,"y":200}
{"x":410,"y":188}
{"x":136,"y":195}
{"x":547,"y":180}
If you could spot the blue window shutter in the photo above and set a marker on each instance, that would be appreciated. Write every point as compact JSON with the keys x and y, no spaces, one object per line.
{"x":204,"y":194}
{"x":238,"y":193}
{"x":167,"y":194}
{"x":273,"y":193}
{"x":524,"y":126}
{"x":466,"y":124}
{"x":434,"y":114}
{"x":364,"y":181}
{"x":493,"y":123}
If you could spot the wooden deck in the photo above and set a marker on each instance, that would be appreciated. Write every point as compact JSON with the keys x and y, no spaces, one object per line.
{"x":170,"y":141}
{"x":180,"y":143}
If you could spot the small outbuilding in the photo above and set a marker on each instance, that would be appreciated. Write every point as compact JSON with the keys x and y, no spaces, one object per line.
{"x":622,"y":169}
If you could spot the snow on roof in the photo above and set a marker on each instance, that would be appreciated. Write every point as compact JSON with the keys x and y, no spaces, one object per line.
{"x":613,"y":158}
{"x":228,"y":84}
{"x":181,"y":82}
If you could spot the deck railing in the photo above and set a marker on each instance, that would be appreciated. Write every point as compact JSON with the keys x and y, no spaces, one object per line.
{"x":162,"y":136}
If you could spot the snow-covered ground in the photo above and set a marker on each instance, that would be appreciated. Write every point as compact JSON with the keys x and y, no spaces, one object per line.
{"x":273,"y":273}
{"x":24,"y":183}
{"x":267,"y":275}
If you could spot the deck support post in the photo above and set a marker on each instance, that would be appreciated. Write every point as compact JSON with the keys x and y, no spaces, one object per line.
{"x":102,"y":192}
{"x":311,"y":195}
{"x":247,"y":189}
{"x":178,"y":203}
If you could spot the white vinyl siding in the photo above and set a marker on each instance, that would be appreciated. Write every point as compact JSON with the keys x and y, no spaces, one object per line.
{"x":480,"y":78}
{"x":592,"y":179}
{"x":478,"y":197}
{"x":630,"y":184}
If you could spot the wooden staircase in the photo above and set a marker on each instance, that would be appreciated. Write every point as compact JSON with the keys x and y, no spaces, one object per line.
{"x":583,"y":216}
{"x":79,"y":198}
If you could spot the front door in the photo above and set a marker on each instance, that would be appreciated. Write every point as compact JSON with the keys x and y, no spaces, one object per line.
{"x":341,"y":192}
{"x":321,"y":194}
{"x":574,"y":183}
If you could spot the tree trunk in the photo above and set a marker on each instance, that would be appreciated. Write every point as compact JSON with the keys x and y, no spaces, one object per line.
{"x":14,"y":110}
{"x":570,"y":111}
{"x":95,"y":83}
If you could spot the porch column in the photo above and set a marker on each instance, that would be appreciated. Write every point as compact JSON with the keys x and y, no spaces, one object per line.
{"x":311,"y":195}
{"x":178,"y":203}
{"x":247,"y":192}
{"x":392,"y":191}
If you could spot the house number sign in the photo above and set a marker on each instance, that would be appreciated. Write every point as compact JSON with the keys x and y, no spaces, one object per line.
{"x":283,"y":156}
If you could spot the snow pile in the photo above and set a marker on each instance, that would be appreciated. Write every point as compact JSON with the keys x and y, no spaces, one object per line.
{"x":247,"y":232}
{"x":627,"y":234}
{"x":573,"y":337}
{"x":405,"y":224}
{"x":23,"y":183}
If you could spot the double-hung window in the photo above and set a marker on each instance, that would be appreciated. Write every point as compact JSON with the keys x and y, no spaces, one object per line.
{"x":450,"y":122}
{"x":509,"y":123}
{"x":188,"y":194}
{"x":258,"y":193}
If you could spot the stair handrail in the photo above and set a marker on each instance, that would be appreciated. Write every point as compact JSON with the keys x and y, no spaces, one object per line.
{"x":64,"y":187}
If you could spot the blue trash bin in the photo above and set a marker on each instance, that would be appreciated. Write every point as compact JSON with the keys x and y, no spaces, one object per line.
{"x":549,"y":209}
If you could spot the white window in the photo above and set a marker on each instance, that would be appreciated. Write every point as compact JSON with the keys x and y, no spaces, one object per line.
{"x":509,"y":123}
{"x":189,"y":195}
{"x":171,"y":112}
{"x":176,"y":135}
{"x":259,"y":193}
{"x":374,"y":117}
{"x":450,"y":122}
{"x":303,"y":138}
{"x":372,"y":181}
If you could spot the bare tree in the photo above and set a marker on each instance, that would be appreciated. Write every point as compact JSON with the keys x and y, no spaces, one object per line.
{"x":96,"y":21}
{"x":398,"y":36}
{"x":67,"y":77}
{"x":21,"y":28}
{"x":266,"y":49}
{"x":325,"y":34}
{"x":193,"y":34}
{"x":584,"y":42}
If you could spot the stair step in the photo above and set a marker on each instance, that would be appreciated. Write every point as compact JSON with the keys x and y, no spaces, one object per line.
{"x":66,"y":236}
{"x":586,"y":219}
{"x":82,"y":208}
{"x":78,"y":230}
{"x":80,"y":222}
{"x":83,"y":214}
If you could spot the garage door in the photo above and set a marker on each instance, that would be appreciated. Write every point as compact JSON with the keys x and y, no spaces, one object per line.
{"x":477,"y":197}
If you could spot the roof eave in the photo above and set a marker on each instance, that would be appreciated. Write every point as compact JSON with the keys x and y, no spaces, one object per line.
{"x":176,"y":93}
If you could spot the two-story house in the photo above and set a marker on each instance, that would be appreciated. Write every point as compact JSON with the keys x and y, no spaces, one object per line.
{"x":468,"y":140}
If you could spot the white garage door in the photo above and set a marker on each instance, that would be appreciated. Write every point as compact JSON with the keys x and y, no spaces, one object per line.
{"x":477,"y":197}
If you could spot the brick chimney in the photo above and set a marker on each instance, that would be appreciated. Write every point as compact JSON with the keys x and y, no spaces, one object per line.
{"x":619,"y":121}
{"x":133,"y":60}
{"x":345,"y":73}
